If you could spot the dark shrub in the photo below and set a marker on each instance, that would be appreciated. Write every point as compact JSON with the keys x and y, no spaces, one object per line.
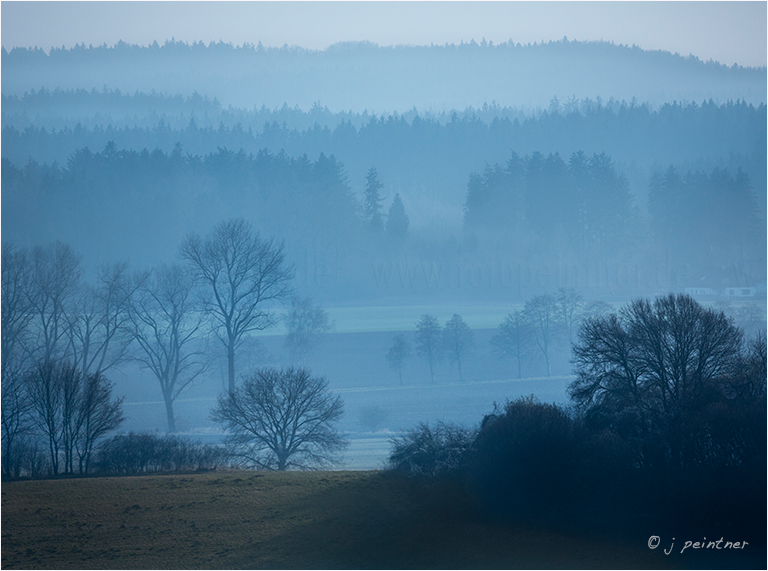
{"x":141,"y":453}
{"x":439,"y":451}
{"x":524,"y":458}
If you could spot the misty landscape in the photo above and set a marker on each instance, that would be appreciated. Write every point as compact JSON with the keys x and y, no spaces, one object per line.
{"x":520,"y":288}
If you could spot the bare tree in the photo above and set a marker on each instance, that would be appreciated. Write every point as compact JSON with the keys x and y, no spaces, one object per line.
{"x":514,"y":339}
{"x":98,"y":414}
{"x":428,"y":341}
{"x":540,"y":312}
{"x":17,"y":311}
{"x":44,"y":385}
{"x":398,"y":354}
{"x":682,"y":346}
{"x":99,"y":332}
{"x":16,"y":421}
{"x":280,"y":419}
{"x":244,"y":274}
{"x":165,"y":323}
{"x":17,"y":316}
{"x":71,"y":386}
{"x":457,"y":341}
{"x":54,"y":282}
{"x":306,"y":326}
{"x":71,"y":411}
{"x":660,"y":362}
{"x":568,"y":306}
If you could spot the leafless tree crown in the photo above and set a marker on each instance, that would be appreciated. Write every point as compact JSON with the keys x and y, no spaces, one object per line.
{"x":281,"y":419}
{"x":243,"y":274}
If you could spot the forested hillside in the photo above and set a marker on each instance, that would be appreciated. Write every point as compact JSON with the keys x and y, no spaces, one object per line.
{"x":605,"y":159}
{"x":389,"y":79}
{"x":425,"y":157}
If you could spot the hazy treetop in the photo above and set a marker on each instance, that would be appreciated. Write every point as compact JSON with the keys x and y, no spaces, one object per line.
{"x":728,"y":32}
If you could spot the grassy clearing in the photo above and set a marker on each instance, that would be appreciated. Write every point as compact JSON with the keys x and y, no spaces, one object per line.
{"x":276,"y":520}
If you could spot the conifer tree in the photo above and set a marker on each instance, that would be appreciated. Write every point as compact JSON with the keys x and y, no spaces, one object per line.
{"x":397,"y":219}
{"x":373,"y":215}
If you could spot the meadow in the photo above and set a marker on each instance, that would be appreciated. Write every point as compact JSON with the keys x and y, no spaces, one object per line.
{"x":293,"y":520}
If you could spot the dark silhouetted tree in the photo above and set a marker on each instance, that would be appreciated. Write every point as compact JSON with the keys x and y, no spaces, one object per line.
{"x":164,"y":323}
{"x":71,"y":411}
{"x":373,"y":200}
{"x":16,"y":421}
{"x":98,"y":414}
{"x":44,"y":386}
{"x":651,"y":371}
{"x":397,"y":219}
{"x":243,"y":274}
{"x":280,"y":419}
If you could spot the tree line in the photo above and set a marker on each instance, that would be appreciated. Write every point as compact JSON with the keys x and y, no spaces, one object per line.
{"x":538,"y":336}
{"x":107,"y":195}
{"x":507,"y":71}
{"x":536,"y":333}
{"x":584,"y":208}
{"x":536,"y":208}
{"x":433,"y":343}
{"x":415,"y":147}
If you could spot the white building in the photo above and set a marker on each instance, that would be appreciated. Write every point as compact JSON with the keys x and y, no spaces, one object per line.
{"x":740,"y":292}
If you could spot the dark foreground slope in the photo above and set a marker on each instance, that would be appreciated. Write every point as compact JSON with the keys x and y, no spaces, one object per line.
{"x":279,"y":520}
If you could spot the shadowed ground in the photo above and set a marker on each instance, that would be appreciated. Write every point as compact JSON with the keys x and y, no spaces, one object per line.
{"x":278,"y":520}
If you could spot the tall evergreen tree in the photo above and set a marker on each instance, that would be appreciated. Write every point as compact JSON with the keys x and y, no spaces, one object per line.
{"x":373,"y":200}
{"x":397,"y":219}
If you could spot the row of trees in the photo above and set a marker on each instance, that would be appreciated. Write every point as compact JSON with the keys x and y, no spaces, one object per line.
{"x":415,"y":149}
{"x":667,"y":424}
{"x":538,"y":209}
{"x":583,"y":209}
{"x":454,"y":341}
{"x":61,"y":336}
{"x":59,"y":339}
{"x":69,"y":411}
{"x":546,"y":323}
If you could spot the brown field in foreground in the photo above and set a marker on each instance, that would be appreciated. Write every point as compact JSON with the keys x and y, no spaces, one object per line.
{"x":259,"y":520}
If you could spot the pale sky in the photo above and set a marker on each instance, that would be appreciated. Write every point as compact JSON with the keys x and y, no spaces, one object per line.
{"x":728,"y":32}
